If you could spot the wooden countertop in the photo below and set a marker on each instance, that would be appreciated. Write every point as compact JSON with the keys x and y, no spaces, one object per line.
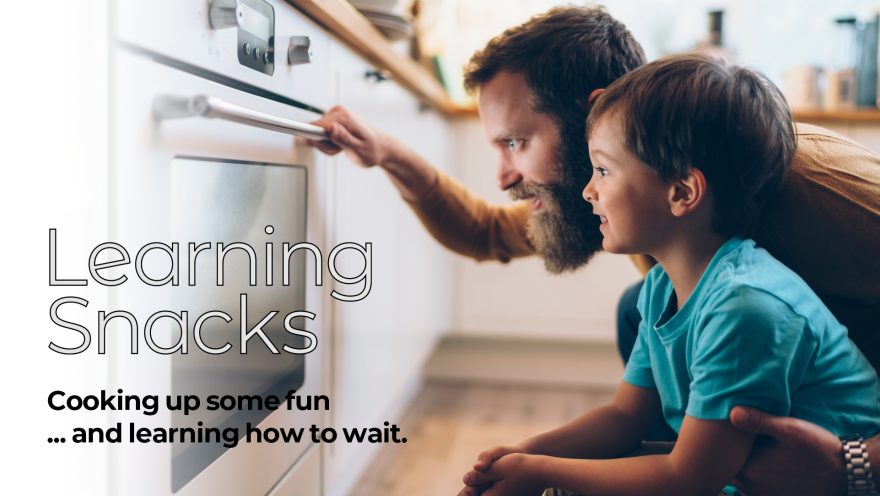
{"x":856,"y":115}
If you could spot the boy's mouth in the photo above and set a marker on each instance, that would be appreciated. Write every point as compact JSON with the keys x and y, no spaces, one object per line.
{"x":603,"y":219}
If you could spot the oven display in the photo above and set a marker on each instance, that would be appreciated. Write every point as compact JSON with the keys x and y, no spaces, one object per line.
{"x":256,"y":36}
{"x":256,"y":23}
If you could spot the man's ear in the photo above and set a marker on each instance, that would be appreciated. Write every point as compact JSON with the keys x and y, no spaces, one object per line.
{"x":687,"y":193}
{"x":592,"y":99}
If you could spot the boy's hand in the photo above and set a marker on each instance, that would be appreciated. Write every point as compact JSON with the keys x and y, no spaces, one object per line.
{"x":485,"y":459}
{"x":799,"y":458}
{"x":514,"y":474}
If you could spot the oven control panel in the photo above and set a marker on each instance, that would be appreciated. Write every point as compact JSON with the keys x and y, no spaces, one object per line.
{"x":255,"y":22}
{"x":267,"y":44}
{"x":256,"y":36}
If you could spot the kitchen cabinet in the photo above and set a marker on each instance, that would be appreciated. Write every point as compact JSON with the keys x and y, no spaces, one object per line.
{"x":380,"y":343}
{"x":304,"y":478}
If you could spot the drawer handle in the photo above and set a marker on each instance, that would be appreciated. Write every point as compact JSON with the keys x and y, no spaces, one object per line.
{"x":175,"y":107}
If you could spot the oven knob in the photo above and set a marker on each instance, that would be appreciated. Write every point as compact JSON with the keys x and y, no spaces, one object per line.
{"x":300,"y":50}
{"x":247,"y":49}
{"x":225,"y":14}
{"x":266,"y":58}
{"x":257,"y":54}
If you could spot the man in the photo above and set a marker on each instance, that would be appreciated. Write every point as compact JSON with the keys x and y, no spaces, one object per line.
{"x":536,"y":85}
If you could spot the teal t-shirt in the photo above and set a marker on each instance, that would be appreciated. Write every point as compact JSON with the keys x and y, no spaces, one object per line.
{"x":752,"y":333}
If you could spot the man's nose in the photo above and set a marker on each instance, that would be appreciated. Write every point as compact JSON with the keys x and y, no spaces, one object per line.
{"x":507,"y":176}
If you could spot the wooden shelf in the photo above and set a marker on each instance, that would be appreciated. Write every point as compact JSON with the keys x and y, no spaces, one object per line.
{"x":848,"y":115}
{"x":353,"y":28}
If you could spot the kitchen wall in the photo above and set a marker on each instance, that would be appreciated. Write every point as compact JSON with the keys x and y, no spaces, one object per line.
{"x":801,"y":32}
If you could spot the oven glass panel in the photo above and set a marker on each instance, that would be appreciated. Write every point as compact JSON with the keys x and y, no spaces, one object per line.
{"x":228,"y":202}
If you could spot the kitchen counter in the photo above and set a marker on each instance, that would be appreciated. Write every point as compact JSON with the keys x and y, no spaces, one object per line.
{"x":819,"y":116}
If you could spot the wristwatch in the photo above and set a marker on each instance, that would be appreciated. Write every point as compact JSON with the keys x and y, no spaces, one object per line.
{"x":859,"y":480}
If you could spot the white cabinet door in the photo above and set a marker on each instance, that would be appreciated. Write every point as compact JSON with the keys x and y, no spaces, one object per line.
{"x":381,"y":342}
{"x":304,"y":478}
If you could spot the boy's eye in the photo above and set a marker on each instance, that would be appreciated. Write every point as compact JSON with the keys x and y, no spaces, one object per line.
{"x":601,"y":171}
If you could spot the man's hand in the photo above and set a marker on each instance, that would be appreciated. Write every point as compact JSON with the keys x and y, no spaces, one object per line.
{"x":514,"y":474}
{"x":366,"y":146}
{"x":798,"y":458}
{"x":363,"y":144}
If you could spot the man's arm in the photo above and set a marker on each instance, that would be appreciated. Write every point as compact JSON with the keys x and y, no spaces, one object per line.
{"x":459,"y":220}
{"x":799,"y":458}
{"x":366,"y":146}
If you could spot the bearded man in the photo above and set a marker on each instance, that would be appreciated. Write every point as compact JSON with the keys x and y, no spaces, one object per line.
{"x":536,"y":83}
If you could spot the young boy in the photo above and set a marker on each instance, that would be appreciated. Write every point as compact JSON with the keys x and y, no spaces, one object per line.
{"x":685,"y":150}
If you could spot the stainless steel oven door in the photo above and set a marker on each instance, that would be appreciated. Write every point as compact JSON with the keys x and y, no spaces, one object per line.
{"x":209,"y":180}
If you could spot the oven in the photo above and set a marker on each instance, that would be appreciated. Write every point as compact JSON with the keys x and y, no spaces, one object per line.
{"x":205,"y":98}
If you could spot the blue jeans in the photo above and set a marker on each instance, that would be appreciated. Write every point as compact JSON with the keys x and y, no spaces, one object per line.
{"x":628,"y":320}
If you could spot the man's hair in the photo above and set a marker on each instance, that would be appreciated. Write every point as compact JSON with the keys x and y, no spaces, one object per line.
{"x":694,"y":111}
{"x":564,"y":54}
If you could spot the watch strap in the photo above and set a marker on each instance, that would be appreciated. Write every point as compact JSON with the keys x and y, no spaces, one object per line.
{"x":859,"y":480}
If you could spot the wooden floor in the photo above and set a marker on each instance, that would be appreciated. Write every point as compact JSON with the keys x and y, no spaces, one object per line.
{"x":449,"y":424}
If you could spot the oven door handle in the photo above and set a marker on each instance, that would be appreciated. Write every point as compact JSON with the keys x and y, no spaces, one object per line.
{"x":175,"y":107}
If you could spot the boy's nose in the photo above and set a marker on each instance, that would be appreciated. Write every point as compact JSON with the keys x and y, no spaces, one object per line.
{"x":589,"y":192}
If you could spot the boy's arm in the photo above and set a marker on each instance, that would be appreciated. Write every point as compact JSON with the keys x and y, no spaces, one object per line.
{"x":603,"y":432}
{"x":707,"y":456}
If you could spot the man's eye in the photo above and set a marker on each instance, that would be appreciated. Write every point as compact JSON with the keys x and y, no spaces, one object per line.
{"x":513,"y":143}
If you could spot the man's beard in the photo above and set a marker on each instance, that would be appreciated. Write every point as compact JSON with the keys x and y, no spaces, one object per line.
{"x":564,"y":233}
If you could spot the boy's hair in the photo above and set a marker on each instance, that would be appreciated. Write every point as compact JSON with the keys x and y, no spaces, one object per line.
{"x":564,"y":54}
{"x":692,"y":110}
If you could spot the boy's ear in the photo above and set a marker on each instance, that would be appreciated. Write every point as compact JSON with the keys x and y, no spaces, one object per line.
{"x":687,"y":193}
{"x":593,"y":97}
